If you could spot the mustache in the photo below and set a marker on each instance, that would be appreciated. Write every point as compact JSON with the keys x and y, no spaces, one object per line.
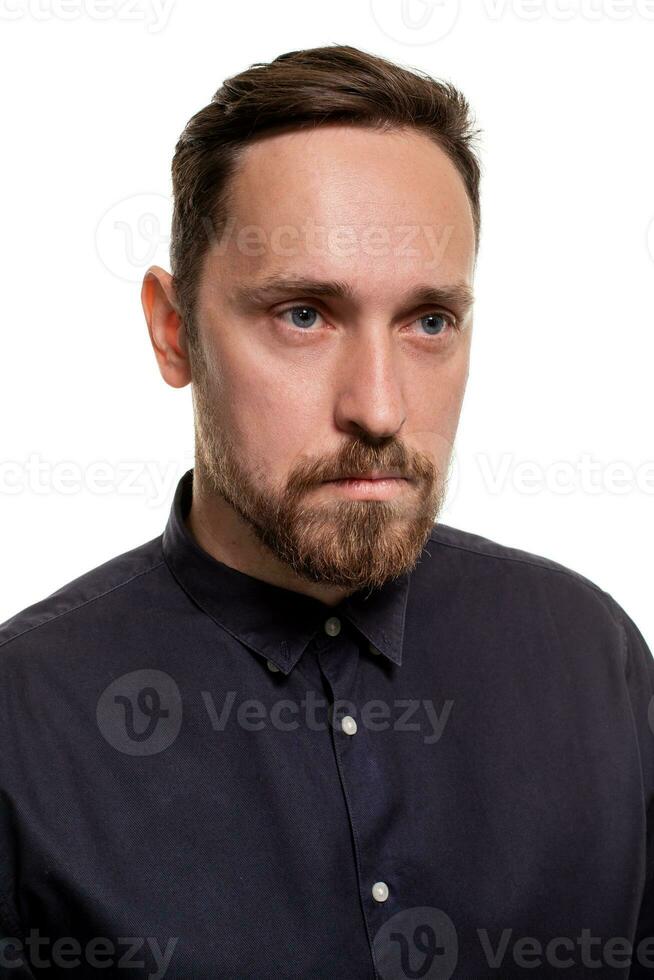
{"x":357,"y":459}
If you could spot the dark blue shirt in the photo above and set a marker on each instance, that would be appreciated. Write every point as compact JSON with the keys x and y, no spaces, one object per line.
{"x":203,"y":775}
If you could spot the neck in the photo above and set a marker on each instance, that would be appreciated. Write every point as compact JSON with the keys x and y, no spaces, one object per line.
{"x":223,"y":534}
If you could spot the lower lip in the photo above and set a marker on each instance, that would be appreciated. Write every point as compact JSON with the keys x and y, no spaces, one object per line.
{"x":363,"y":489}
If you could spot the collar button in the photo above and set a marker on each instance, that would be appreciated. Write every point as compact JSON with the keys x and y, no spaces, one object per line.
{"x":333,"y":626}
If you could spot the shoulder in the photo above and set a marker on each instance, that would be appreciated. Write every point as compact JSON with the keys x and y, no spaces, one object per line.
{"x":84,"y":596}
{"x":528,"y":579}
{"x":483,"y":551}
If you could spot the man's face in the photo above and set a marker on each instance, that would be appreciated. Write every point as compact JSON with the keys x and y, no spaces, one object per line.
{"x":320,"y":356}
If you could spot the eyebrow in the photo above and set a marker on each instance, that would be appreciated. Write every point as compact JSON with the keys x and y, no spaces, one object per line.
{"x":457,"y":295}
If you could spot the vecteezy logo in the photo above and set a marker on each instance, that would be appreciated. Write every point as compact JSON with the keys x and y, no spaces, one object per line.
{"x":133,"y":234}
{"x":415,"y":21}
{"x":140,"y":713}
{"x":417,"y":943}
{"x":452,"y":479}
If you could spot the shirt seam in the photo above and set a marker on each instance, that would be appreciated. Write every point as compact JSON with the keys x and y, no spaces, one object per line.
{"x":544,"y":563}
{"x":81,"y":605}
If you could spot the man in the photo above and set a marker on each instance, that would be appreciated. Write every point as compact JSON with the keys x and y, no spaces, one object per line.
{"x":309,"y":732}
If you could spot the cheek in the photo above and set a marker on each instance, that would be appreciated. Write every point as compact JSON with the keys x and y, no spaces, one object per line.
{"x":272,"y":415}
{"x":433,"y":411}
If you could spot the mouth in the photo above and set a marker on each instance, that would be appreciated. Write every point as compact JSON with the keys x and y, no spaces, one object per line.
{"x":371,"y":486}
{"x":371,"y":476}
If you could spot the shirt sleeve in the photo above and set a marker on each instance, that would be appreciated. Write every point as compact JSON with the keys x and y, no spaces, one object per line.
{"x":639,"y":673}
{"x":14,"y":958}
{"x":13,"y":962}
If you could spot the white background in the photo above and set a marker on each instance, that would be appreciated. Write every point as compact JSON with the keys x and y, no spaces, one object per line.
{"x":95,"y":95}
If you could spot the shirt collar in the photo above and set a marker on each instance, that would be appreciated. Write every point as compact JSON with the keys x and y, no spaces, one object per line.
{"x":277,"y":623}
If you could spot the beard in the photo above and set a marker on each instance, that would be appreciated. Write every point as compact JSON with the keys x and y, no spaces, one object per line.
{"x":347,"y":543}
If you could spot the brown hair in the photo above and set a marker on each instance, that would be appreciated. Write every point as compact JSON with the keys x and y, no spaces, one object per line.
{"x":335,"y":83}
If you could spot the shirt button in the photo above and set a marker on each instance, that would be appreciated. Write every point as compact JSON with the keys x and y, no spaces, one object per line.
{"x":380,"y":891}
{"x":271,"y":666}
{"x":373,"y":648}
{"x":333,"y":626}
{"x":349,"y":725}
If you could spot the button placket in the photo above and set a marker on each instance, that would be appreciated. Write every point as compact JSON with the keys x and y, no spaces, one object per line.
{"x":332,"y":627}
{"x":336,"y":664}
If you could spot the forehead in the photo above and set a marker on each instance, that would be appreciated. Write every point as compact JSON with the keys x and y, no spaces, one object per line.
{"x":347,"y":200}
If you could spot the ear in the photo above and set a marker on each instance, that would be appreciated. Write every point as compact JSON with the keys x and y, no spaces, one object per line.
{"x":166,"y":327}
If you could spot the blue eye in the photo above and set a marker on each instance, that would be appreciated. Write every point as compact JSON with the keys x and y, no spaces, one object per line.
{"x":437,"y":322}
{"x":302,"y":316}
{"x":305,"y":317}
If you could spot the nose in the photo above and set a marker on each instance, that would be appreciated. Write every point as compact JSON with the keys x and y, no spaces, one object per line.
{"x":369,"y":398}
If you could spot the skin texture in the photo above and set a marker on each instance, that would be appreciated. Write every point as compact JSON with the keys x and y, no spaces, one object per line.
{"x":372,"y":379}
